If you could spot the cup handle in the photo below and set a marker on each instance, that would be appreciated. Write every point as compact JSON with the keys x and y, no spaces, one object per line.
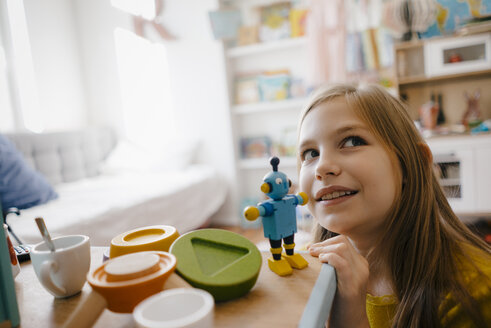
{"x":47,"y":268}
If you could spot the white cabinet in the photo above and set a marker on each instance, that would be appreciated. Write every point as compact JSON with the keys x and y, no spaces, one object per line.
{"x":483,"y":174}
{"x":457,"y":55}
{"x":464,"y":163}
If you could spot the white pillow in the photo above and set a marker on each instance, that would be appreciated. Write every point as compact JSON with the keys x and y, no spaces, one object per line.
{"x":129,"y":157}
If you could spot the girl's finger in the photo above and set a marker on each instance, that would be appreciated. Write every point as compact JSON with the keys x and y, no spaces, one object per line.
{"x":340,"y":249}
{"x":337,"y":261}
{"x":330,"y":241}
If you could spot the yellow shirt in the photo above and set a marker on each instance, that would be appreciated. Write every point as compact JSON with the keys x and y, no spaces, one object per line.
{"x":381,"y":309}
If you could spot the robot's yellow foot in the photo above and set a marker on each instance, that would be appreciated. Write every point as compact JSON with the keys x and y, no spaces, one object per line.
{"x":296,"y":261}
{"x":280,"y":267}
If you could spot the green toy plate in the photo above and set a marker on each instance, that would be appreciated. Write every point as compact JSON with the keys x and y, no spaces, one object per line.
{"x":219,"y":261}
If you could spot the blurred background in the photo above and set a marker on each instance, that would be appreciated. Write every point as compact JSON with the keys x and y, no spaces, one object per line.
{"x":221,"y":83}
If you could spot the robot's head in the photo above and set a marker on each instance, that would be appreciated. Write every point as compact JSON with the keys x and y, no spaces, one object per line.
{"x":276,"y":184}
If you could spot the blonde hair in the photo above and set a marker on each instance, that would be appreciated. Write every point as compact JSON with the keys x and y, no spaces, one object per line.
{"x":422,"y":234}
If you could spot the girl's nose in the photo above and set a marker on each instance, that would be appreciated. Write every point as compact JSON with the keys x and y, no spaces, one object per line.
{"x":326,"y":167}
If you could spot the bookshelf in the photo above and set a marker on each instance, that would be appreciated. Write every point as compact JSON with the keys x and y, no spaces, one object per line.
{"x":271,"y":120}
{"x":259,"y":48}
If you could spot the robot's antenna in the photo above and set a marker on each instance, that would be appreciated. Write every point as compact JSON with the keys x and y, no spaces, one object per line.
{"x":274,"y":161}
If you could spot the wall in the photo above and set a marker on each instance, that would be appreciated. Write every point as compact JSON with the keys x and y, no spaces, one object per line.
{"x":57,"y":64}
{"x":95,"y":21}
{"x":198,"y":83}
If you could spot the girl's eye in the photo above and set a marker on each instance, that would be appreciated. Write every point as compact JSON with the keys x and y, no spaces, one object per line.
{"x":309,"y":154}
{"x":353,"y":141}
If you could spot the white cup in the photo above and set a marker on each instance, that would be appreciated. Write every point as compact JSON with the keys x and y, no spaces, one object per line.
{"x":176,"y":308}
{"x":64,"y":271}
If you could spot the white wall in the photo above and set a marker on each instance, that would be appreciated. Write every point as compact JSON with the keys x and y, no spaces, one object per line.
{"x":96,"y":21}
{"x":56,"y":62}
{"x":198,"y":82}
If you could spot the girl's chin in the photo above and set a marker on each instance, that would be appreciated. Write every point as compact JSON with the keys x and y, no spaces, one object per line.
{"x":336,"y":228}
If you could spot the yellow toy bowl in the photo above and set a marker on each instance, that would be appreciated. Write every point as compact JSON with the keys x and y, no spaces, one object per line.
{"x":151,"y":238}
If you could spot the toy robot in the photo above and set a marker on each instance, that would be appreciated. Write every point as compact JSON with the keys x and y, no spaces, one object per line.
{"x":279,"y":220}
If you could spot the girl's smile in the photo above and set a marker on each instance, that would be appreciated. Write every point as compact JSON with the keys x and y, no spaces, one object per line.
{"x":332,"y":195}
{"x":346,"y":171}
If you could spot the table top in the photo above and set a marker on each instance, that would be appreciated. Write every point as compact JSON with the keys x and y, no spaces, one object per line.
{"x":273,"y":302}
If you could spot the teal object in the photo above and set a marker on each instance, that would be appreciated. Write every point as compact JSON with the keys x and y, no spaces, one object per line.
{"x":221,"y":262}
{"x":318,"y":307}
{"x":9,"y":310}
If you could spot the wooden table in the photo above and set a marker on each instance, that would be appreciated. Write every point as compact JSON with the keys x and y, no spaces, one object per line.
{"x":273,"y":302}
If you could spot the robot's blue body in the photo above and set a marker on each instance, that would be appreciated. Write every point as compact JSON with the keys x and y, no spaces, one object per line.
{"x":279,"y":219}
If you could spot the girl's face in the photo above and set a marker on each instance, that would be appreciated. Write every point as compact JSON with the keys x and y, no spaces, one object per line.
{"x":346,"y":172}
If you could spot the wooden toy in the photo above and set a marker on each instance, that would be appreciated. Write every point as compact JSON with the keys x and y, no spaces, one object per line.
{"x":121,"y":283}
{"x":279,"y":220}
{"x":318,"y":307}
{"x":223,"y":248}
{"x":221,"y":262}
{"x":151,"y":238}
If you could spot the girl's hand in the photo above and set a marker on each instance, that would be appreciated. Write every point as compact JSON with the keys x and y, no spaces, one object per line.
{"x":349,"y":307}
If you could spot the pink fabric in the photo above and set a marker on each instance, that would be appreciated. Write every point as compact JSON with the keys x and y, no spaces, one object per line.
{"x":326,"y":34}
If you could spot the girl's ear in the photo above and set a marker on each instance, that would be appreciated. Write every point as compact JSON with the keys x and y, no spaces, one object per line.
{"x":426,"y":152}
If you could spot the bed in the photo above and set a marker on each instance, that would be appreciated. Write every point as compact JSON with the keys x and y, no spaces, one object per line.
{"x":102,"y":203}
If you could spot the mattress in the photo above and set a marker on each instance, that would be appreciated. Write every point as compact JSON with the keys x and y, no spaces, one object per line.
{"x":104,"y":206}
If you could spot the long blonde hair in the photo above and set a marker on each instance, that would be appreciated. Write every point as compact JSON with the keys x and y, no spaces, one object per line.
{"x":422,"y":235}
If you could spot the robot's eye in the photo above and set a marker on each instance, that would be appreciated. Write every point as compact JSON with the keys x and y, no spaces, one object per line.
{"x":278,"y":181}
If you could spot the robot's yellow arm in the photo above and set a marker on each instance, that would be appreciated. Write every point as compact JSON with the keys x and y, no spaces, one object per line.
{"x":304,"y":196}
{"x":251,"y":213}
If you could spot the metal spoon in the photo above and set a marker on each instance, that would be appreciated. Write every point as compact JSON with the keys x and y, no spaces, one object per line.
{"x":45,"y":233}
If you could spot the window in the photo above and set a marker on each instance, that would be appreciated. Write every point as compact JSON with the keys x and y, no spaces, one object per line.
{"x":145,"y":87}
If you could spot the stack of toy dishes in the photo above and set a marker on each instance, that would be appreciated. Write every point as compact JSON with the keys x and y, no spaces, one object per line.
{"x":220,"y":264}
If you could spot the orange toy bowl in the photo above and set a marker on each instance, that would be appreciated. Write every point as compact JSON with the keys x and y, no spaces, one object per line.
{"x":123,"y":293}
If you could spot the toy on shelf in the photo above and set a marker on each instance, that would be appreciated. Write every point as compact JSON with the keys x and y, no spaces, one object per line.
{"x":472,"y":115}
{"x":279,"y":220}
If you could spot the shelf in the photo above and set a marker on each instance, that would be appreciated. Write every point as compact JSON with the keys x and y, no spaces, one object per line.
{"x":424,"y":79}
{"x":265,"y":47}
{"x":263,"y":163}
{"x":267,"y":106}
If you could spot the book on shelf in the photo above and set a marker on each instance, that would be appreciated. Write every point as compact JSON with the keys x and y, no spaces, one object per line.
{"x":246,"y":90}
{"x":474,"y":28}
{"x":275,"y":21}
{"x":255,"y":147}
{"x":248,"y":35}
{"x":274,"y":85}
{"x":298,"y":20}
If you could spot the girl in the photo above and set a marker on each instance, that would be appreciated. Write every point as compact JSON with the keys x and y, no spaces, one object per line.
{"x":402,"y":257}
